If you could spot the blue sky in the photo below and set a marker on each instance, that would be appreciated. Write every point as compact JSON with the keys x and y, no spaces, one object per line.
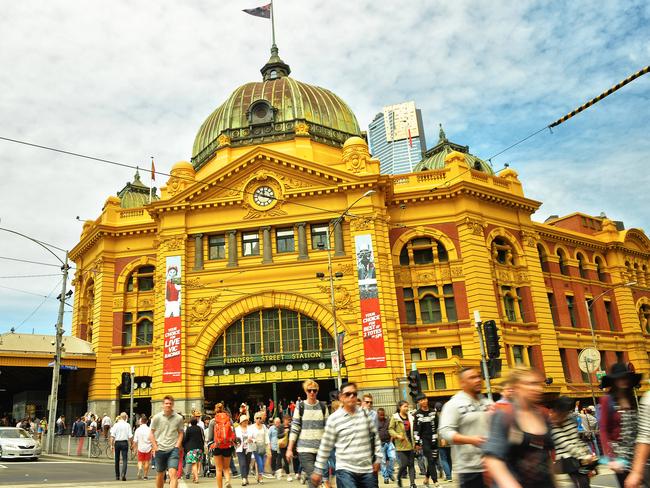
{"x":126,"y":81}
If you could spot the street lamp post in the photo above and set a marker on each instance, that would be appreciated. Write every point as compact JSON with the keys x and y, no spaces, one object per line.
{"x":591,"y":326}
{"x":56,"y":370}
{"x":330,"y":271}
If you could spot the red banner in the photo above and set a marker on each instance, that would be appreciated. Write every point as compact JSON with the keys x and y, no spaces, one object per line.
{"x":172,"y":350}
{"x":373,"y":333}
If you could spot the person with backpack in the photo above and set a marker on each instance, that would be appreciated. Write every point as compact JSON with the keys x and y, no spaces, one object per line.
{"x":619,"y":419}
{"x":244,"y":442}
{"x":307,"y":429}
{"x":518,"y":448}
{"x":221,"y":438}
{"x":260,"y":434}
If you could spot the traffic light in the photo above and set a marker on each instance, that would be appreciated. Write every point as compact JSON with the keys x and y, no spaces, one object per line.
{"x":414,"y":383}
{"x":494,"y":368}
{"x":491,"y":339}
{"x":126,"y":383}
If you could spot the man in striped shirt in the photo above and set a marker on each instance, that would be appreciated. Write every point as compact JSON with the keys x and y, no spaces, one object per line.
{"x":307,"y":428}
{"x":358,"y":448}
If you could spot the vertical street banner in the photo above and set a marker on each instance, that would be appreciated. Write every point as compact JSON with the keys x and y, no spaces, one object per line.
{"x":373,"y":333}
{"x":172,"y":337}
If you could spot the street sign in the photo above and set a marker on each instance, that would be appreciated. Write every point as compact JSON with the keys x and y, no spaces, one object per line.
{"x":335,"y":361}
{"x":599,"y":374}
{"x":69,"y":368}
{"x":589,"y":360}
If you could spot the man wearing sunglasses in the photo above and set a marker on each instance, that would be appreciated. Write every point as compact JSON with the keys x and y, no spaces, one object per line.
{"x":354,"y":435}
{"x":307,"y":428}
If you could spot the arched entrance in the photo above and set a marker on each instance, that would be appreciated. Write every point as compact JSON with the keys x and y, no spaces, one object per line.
{"x":267,"y":354}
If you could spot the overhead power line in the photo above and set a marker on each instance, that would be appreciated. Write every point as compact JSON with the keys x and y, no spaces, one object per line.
{"x":31,"y":262}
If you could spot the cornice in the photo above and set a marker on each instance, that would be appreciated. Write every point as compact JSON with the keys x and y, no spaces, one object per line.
{"x":108,"y":231}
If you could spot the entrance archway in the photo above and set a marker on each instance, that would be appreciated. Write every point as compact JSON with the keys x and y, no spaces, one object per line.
{"x":267,"y":354}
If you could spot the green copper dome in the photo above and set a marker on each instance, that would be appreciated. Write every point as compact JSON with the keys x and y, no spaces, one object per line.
{"x":136,"y":193}
{"x":434,"y":158}
{"x":275,"y":109}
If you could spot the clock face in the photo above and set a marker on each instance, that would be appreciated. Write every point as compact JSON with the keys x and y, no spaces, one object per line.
{"x":263,"y":196}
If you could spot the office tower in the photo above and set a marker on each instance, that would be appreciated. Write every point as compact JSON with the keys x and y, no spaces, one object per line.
{"x":397,"y":138}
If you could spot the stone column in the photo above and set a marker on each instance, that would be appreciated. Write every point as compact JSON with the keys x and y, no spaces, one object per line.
{"x":267,"y":256}
{"x":198,"y":252}
{"x":302,"y":241}
{"x":232,"y":248}
{"x":339,"y":249}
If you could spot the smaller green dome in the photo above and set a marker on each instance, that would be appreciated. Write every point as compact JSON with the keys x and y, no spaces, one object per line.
{"x":434,"y":158}
{"x":136,"y":193}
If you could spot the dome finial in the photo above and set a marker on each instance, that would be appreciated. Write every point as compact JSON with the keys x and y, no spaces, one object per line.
{"x":275,"y":68}
{"x":136,"y":178}
{"x":442,"y":136}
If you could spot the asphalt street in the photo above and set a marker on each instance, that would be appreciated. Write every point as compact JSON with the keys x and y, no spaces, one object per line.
{"x":63,"y":473}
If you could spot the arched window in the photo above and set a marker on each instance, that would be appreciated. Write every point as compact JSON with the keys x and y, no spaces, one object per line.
{"x":564,"y":269}
{"x":141,"y":279}
{"x":581,"y":265}
{"x":423,"y":250}
{"x":543,"y":258}
{"x":503,"y":252}
{"x":600,"y":269}
{"x":512,"y":304}
{"x":276,"y":332}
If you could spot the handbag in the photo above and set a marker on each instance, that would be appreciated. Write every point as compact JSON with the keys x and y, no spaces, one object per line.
{"x":566,"y":466}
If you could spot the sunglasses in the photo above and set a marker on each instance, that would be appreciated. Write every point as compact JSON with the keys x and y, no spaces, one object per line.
{"x":312,"y":390}
{"x":369,"y":402}
{"x":349,"y":394}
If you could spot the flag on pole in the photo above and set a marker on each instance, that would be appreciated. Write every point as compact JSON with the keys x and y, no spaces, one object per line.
{"x":153,"y":170}
{"x":410,"y":139}
{"x":263,"y":11}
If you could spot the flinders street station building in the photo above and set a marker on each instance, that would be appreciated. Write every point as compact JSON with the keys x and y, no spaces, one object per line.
{"x":220,"y":287}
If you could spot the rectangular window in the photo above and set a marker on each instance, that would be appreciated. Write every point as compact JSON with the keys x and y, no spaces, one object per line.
{"x":518,"y":355}
{"x":319,"y":236}
{"x":233,"y":340}
{"x":409,"y":305}
{"x":565,"y":366}
{"x":610,"y":318}
{"x":416,"y":355}
{"x":127,"y":328}
{"x":450,"y":303}
{"x":145,"y":278}
{"x":592,"y":317}
{"x":572,"y":313}
{"x":144,"y":329}
{"x":424,"y":382}
{"x":251,"y":244}
{"x":509,"y":304}
{"x":285,"y":241}
{"x":436,"y":353}
{"x":457,"y":351}
{"x":290,"y":332}
{"x":271,"y":328}
{"x":439,"y":381}
{"x":217,"y":247}
{"x":253,"y":339}
{"x":423,"y":256}
{"x":309,"y":328}
{"x":553,"y":307}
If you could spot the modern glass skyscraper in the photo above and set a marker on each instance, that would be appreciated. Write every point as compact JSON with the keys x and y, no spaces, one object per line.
{"x":396,"y":137}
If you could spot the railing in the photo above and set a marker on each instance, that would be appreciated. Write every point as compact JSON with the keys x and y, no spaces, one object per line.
{"x":128,"y":214}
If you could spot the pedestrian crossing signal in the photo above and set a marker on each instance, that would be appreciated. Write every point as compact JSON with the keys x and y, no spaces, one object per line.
{"x":126,"y":383}
{"x":414,"y":383}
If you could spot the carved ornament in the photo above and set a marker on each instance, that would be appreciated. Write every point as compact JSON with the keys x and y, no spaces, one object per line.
{"x":175,"y":185}
{"x":146,"y":303}
{"x":356,"y":158}
{"x":475,"y":225}
{"x":174,"y":243}
{"x":457,"y":271}
{"x":360,"y":223}
{"x":529,"y":238}
{"x":342,"y":297}
{"x":194,"y":283}
{"x":346,"y":269}
{"x":223,"y":140}
{"x":202,"y":308}
{"x":118,"y":302}
{"x":302,"y":129}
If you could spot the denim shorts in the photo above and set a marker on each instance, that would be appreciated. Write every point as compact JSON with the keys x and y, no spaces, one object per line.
{"x":167,"y":460}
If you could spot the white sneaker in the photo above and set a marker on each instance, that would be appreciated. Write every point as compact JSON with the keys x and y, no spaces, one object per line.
{"x":278,"y":474}
{"x":289,"y":478}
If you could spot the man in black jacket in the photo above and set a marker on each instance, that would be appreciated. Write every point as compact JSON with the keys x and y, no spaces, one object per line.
{"x":425,"y":431}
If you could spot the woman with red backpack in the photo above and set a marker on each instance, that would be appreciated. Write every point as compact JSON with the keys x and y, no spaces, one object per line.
{"x":221,"y":437}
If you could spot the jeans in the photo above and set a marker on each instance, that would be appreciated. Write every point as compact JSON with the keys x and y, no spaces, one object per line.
{"x":388,"y":464}
{"x":165,"y":460}
{"x":276,"y":462}
{"x":121,"y":448}
{"x":445,"y":461}
{"x":348,"y":479}
{"x":259,"y":460}
{"x":244,"y":459}
{"x":406,"y":461}
{"x":307,"y":460}
{"x":430,"y":454}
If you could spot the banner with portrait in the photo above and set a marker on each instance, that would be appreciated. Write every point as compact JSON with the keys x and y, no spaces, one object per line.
{"x":373,"y":333}
{"x":172,"y":338}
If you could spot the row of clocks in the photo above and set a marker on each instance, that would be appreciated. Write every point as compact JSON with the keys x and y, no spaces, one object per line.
{"x":258,"y":369}
{"x":144,"y":384}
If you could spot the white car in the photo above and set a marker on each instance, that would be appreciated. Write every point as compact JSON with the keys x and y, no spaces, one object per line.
{"x":17,"y":443}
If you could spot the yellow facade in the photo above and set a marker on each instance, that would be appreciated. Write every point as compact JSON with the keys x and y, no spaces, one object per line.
{"x":489,"y":262}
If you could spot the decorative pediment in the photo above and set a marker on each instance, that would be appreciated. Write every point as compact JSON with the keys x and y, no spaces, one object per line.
{"x":637,"y":240}
{"x":261,"y":167}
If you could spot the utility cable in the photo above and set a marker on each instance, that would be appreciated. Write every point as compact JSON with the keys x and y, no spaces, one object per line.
{"x":30,"y":276}
{"x":39,"y":306}
{"x":31,"y":262}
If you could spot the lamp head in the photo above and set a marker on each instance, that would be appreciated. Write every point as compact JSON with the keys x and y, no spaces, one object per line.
{"x":629,"y":283}
{"x":369,"y":192}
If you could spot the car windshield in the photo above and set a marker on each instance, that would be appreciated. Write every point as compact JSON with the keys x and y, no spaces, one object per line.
{"x":13,"y":434}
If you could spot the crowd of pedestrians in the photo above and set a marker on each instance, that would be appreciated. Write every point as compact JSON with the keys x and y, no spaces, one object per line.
{"x":519,"y":441}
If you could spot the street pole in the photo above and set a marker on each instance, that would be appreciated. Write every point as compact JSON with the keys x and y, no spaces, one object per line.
{"x":132,"y":420}
{"x":486,"y":374}
{"x":56,"y":370}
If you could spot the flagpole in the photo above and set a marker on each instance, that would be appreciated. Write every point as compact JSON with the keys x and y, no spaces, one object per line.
{"x":272,"y":24}
{"x":153,"y":178}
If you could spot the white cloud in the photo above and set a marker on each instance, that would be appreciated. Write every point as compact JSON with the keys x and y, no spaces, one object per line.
{"x":125,"y":81}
